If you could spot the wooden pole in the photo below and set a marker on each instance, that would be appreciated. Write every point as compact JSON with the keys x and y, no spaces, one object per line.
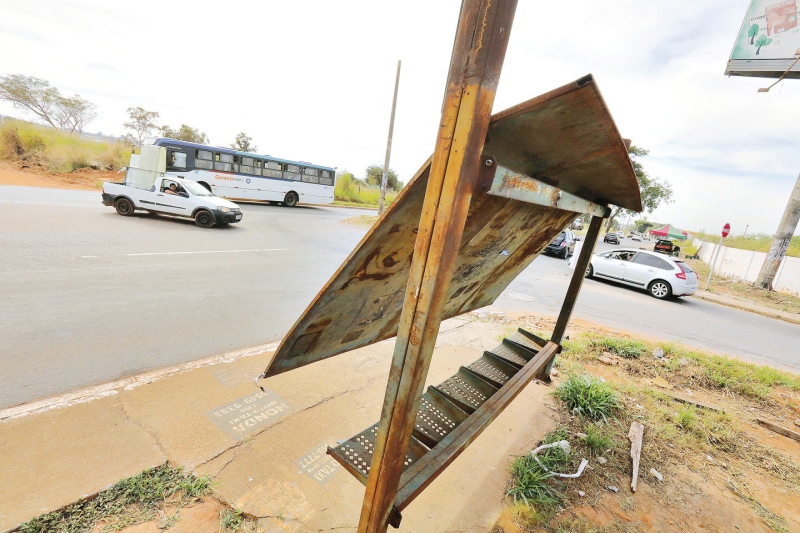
{"x":385,"y":177}
{"x":575,"y":284}
{"x":480,"y":45}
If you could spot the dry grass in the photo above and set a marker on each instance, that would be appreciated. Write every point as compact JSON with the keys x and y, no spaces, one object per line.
{"x":782,"y":301}
{"x":56,"y":151}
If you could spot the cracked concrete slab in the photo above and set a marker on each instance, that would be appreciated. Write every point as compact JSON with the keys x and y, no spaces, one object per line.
{"x":275,"y":468}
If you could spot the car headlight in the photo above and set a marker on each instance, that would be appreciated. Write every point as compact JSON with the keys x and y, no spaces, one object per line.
{"x":224,"y":209}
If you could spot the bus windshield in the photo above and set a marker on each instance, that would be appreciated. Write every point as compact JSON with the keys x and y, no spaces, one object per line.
{"x":196,"y":189}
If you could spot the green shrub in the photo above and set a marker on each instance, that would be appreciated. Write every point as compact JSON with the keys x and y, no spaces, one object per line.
{"x":596,"y":441}
{"x":588,"y":396}
{"x":351,"y":190}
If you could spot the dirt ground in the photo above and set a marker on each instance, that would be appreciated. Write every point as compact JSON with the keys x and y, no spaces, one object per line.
{"x":745,"y":481}
{"x":31,"y":176}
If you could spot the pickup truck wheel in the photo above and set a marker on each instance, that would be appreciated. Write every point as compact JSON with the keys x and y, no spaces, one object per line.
{"x":124,"y":207}
{"x":204,"y":219}
{"x":290,"y":200}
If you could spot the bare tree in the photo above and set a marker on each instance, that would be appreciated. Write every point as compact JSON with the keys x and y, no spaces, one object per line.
{"x":31,"y":94}
{"x":74,"y":113}
{"x":141,"y":123}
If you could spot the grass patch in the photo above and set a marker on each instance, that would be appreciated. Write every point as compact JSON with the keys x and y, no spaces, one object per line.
{"x":627,"y":348}
{"x":231,"y":520}
{"x":131,"y":501}
{"x":597,"y":441}
{"x":588,"y":396}
{"x":57,"y":151}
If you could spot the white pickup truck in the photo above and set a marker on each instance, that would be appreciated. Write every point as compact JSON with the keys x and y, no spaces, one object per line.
{"x":146,"y":188}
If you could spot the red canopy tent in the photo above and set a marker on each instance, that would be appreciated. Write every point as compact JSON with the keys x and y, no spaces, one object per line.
{"x":670,"y":232}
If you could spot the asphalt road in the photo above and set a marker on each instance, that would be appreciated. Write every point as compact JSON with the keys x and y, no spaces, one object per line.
{"x":87,"y":296}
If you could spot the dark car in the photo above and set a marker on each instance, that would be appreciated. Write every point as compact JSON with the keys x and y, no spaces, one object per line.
{"x":663,"y":246}
{"x":613,"y":238}
{"x":563,"y":245}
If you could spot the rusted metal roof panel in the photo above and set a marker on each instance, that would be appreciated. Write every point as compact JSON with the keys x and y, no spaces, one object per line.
{"x":566,"y":137}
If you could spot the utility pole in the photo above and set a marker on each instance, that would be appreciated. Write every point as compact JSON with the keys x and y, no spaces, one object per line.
{"x":385,"y":177}
{"x":781,"y":241}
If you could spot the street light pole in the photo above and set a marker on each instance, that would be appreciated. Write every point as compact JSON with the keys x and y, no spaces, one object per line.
{"x":385,"y":177}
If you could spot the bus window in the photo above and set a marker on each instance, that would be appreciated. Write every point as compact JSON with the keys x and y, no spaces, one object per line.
{"x":176,"y":160}
{"x":325,"y":178}
{"x":203,"y":159}
{"x":224,"y":162}
{"x":272,"y":169}
{"x":249,"y":166}
{"x":292,"y":172}
{"x":310,"y":175}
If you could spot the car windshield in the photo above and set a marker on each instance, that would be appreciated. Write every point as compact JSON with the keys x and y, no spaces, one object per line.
{"x":196,"y":189}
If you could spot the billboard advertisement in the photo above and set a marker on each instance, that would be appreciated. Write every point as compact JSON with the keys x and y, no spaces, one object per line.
{"x":768,"y":41}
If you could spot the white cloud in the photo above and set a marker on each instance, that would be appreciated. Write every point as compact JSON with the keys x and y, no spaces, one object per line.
{"x":314,"y":80}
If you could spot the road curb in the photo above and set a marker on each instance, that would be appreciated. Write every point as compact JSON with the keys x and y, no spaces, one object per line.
{"x":766,"y":312}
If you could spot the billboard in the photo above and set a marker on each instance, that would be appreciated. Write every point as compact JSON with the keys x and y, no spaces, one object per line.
{"x":768,"y":41}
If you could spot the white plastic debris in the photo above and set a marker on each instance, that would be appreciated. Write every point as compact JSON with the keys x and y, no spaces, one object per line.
{"x":602,"y":460}
{"x":656,"y":474}
{"x":581,"y":493}
{"x":658,"y":353}
{"x":612,"y":488}
{"x":564,"y":445}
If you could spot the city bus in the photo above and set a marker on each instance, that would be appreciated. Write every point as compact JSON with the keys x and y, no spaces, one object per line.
{"x":244,"y":176}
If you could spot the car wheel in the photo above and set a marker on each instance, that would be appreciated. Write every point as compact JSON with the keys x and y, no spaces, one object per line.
{"x":660,"y":289}
{"x":565,"y":253}
{"x":590,"y":272}
{"x":204,"y":219}
{"x":124,"y":207}
{"x":290,"y":200}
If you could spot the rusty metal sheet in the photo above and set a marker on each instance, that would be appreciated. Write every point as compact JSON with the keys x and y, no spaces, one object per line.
{"x":361,"y":303}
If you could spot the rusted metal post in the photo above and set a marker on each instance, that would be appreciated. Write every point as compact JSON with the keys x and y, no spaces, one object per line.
{"x":575,"y":284}
{"x":480,"y":45}
{"x":783,"y":237}
{"x":385,"y":176}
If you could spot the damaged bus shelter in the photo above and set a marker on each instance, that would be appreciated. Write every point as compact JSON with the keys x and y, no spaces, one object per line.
{"x":497,"y":190}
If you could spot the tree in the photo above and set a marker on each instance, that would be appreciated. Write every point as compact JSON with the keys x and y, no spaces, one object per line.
{"x":653,"y":191}
{"x":185,"y":133}
{"x":74,"y":113}
{"x":762,"y":40}
{"x":752,"y":32}
{"x":242,"y":143}
{"x":642,"y":224}
{"x":31,"y":94}
{"x":69,"y":113}
{"x":375,"y":175}
{"x":141,"y":123}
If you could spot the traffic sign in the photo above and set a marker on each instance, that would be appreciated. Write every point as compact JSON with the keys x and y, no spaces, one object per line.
{"x":726,"y":229}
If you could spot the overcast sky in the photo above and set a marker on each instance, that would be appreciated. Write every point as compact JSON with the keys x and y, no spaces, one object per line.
{"x":313,"y":81}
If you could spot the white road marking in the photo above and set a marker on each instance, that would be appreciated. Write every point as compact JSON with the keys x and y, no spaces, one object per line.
{"x":207,"y":252}
{"x":145,"y":254}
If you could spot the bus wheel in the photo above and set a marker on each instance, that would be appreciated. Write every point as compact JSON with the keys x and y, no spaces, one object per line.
{"x":204,"y":219}
{"x":290,"y":200}
{"x":124,"y":207}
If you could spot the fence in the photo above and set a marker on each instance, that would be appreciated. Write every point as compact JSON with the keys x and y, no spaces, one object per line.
{"x":745,"y":265}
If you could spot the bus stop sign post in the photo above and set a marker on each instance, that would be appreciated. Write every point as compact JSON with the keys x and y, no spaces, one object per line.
{"x":478,"y":54}
{"x":726,"y":229}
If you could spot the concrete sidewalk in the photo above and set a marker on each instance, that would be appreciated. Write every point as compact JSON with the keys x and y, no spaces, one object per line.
{"x":747,"y":305}
{"x":265,"y":450}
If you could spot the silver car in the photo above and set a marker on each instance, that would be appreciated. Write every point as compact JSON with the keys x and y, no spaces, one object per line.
{"x":660,"y":275}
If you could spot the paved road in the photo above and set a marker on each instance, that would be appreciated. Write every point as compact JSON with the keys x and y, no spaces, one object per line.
{"x":87,"y":296}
